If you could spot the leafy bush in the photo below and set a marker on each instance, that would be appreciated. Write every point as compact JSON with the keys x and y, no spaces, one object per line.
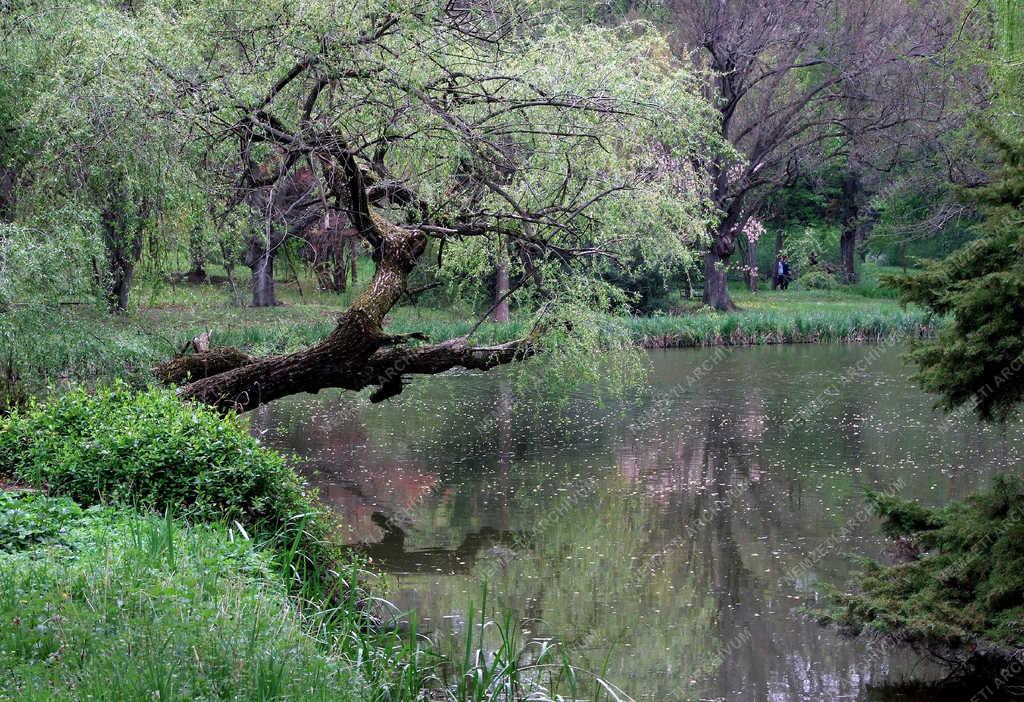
{"x":816,"y":280}
{"x":153,"y":451}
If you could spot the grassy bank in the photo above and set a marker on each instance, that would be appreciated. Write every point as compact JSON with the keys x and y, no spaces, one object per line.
{"x":863,"y":312}
{"x":155,"y":550}
{"x":777,"y":317}
{"x":104,"y":604}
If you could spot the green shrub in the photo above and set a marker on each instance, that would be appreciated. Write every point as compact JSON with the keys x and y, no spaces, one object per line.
{"x":816,"y":280}
{"x":151,"y":450}
{"x":968,"y":586}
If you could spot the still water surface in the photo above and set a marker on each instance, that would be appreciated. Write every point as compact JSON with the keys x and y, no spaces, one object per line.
{"x":671,"y":541}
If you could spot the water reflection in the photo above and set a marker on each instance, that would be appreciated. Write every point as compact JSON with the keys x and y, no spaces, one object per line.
{"x":670,"y":541}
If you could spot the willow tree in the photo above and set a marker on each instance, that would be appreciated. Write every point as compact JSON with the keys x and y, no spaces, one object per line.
{"x":446,"y":131}
{"x":85,"y":171}
{"x":83,"y":162}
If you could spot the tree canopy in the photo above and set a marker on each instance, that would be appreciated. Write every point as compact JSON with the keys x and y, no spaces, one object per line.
{"x":449,"y":132}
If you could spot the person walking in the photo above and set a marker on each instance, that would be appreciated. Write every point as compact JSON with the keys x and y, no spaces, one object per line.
{"x":784,"y":282}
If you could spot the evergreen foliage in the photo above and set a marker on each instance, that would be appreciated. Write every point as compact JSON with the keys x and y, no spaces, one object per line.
{"x":976,"y":360}
{"x":968,"y":589}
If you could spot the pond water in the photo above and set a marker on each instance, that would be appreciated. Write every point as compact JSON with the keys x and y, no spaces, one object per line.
{"x":671,"y":542}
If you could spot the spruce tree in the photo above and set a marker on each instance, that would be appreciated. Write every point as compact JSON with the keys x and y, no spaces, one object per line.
{"x":977,"y":359}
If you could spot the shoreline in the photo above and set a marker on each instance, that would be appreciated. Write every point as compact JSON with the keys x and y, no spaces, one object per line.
{"x":667,"y":342}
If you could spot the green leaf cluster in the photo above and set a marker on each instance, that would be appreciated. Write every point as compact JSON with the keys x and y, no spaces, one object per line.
{"x":152,"y":451}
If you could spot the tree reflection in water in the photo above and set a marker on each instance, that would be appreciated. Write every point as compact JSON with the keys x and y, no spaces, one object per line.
{"x":666,"y":541}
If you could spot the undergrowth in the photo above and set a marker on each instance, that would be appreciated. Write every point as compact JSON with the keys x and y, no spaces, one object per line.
{"x":161,"y":552}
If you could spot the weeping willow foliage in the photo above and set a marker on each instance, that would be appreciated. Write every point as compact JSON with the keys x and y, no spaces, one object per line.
{"x":131,"y":107}
{"x":93,"y":170}
{"x":1007,"y":65}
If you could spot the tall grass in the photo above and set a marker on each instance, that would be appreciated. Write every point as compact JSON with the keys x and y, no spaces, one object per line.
{"x":772,"y":326}
{"x":128,"y":606}
{"x":135,"y":607}
{"x":496,"y":662}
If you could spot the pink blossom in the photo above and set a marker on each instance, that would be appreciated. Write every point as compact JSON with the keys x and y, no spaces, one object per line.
{"x":753,"y":230}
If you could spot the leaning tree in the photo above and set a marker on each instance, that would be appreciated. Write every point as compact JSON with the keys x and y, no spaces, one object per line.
{"x":454,"y":132}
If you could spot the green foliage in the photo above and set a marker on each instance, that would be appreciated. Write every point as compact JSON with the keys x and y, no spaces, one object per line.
{"x":816,"y":280}
{"x":967,"y":587}
{"x":30,"y":519}
{"x":1005,"y":58}
{"x":52,"y":327}
{"x":901,"y":517}
{"x":801,"y":244}
{"x":144,"y":607}
{"x":153,"y":451}
{"x":976,"y":360}
{"x":919,"y":217}
{"x":808,"y":201}
{"x":91,"y":166}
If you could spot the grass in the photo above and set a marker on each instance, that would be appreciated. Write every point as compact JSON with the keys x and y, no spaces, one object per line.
{"x":791,"y":316}
{"x":113,"y":604}
{"x":125,"y":606}
{"x":862,"y":312}
{"x":241,"y":595}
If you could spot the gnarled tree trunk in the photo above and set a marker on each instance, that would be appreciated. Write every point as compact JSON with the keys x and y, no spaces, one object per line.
{"x":353,"y":260}
{"x":122,"y":271}
{"x":848,"y":253}
{"x":8,"y":193}
{"x":357,"y":353}
{"x":122,"y":239}
{"x":716,"y":285}
{"x":752,"y":271}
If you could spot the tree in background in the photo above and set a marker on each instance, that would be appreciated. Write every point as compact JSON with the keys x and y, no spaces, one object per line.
{"x":961,"y":593}
{"x":975,"y":360}
{"x":785,"y":76}
{"x":84,"y":161}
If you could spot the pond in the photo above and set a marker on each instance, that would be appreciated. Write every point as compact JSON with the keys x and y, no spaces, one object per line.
{"x":672,"y":542}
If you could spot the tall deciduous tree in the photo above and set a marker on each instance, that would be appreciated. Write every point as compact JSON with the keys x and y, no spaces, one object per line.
{"x":784,"y":75}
